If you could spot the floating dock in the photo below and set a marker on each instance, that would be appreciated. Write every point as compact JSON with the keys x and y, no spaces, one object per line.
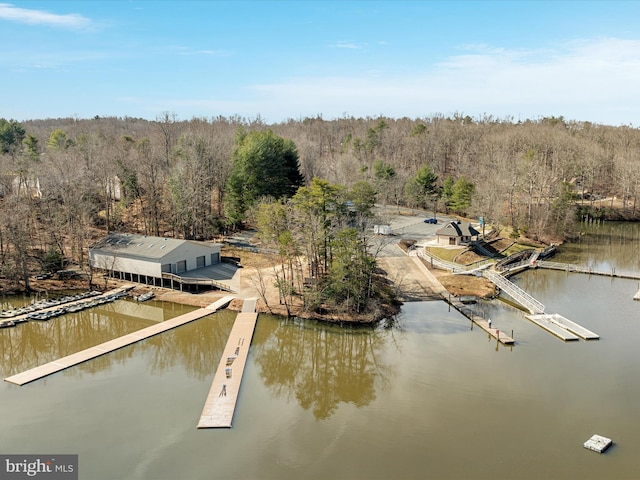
{"x":598,"y":443}
{"x":562,"y":327}
{"x":223,"y":395}
{"x":107,"y":347}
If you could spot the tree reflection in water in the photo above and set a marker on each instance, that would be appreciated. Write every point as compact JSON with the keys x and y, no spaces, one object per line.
{"x":195,"y":346}
{"x":320,"y":365}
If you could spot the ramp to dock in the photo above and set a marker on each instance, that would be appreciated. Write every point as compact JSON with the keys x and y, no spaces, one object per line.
{"x":223,"y":395}
{"x":107,"y":347}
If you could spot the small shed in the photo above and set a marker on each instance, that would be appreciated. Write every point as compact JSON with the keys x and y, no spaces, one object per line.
{"x":151,"y":260}
{"x":455,"y":233}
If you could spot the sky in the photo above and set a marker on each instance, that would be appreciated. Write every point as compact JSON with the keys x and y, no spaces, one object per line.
{"x":281,"y":60}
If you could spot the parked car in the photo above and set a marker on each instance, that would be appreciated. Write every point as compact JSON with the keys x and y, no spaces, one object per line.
{"x":430,"y":220}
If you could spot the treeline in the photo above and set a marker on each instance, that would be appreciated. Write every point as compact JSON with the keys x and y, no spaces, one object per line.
{"x":61,"y":178}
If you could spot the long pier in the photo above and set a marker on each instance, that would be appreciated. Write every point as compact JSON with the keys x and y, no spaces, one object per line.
{"x":111,"y":345}
{"x":567,"y":267}
{"x":223,"y":395}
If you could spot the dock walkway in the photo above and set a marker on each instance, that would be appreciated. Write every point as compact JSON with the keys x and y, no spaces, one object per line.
{"x":567,"y":267}
{"x":502,"y":337}
{"x":109,"y":346}
{"x":223,"y":395}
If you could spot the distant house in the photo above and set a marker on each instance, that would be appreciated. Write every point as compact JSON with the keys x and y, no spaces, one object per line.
{"x":165,"y":262}
{"x":455,"y":233}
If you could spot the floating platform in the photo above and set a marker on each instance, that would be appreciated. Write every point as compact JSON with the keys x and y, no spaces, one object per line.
{"x":562,"y":327}
{"x":107,"y":347}
{"x":598,"y":443}
{"x":223,"y":395}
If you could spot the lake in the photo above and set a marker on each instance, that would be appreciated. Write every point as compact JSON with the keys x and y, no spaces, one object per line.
{"x":425,"y":396}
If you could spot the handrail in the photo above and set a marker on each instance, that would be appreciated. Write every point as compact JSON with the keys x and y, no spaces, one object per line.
{"x":518,"y":294}
{"x":197,"y":281}
{"x":454,"y":267}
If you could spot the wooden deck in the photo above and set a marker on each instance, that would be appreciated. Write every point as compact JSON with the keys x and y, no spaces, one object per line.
{"x":111,"y":345}
{"x":223,"y":395}
{"x":496,"y":333}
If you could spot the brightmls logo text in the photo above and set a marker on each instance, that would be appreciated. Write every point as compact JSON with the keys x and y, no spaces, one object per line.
{"x":46,"y":467}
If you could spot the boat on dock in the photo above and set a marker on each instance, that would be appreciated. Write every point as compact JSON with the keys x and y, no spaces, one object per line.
{"x":145,"y":296}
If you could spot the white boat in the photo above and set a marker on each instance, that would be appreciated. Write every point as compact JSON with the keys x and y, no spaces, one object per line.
{"x":145,"y":296}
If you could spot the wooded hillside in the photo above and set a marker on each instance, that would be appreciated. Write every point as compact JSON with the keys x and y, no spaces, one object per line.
{"x":61,"y":178}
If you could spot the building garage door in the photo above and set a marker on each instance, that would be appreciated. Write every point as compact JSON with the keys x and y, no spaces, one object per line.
{"x":215,"y":258}
{"x":200,"y":261}
{"x":181,"y":266}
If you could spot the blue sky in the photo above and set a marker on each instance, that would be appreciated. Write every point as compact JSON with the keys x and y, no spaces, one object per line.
{"x":293,"y":59}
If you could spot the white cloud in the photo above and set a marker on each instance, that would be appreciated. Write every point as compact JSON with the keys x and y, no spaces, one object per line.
{"x":591,"y":80}
{"x":40,"y":17}
{"x":188,"y":51}
{"x":348,"y":45}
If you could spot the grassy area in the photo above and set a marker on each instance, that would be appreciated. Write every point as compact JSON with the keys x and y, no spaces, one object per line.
{"x":447,"y":254}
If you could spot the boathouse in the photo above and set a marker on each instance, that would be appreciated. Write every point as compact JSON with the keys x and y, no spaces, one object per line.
{"x":456,"y":233}
{"x":159,"y":261}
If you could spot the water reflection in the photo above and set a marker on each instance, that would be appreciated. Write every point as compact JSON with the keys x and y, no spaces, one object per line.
{"x":321,"y":366}
{"x":605,"y":246}
{"x":196,"y":346}
{"x":34,"y":343}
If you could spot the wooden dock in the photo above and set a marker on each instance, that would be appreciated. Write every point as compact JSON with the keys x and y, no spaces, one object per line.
{"x":456,"y":303}
{"x":111,"y":345}
{"x":496,"y":333}
{"x":223,"y":395}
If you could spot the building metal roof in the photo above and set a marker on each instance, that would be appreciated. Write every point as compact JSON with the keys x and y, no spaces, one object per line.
{"x":142,"y":246}
{"x":455,"y":229}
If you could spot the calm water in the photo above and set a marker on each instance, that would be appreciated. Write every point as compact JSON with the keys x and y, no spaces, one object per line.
{"x":428,"y":397}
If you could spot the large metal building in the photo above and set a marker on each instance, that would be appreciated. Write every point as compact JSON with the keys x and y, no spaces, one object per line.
{"x":159,"y":261}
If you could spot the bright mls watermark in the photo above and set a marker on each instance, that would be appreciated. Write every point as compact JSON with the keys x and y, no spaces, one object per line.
{"x":49,"y":467}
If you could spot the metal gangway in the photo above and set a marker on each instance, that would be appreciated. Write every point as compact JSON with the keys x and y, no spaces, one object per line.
{"x":515,"y":292}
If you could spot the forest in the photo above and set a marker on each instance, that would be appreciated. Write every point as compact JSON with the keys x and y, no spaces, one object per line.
{"x":66,"y":181}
